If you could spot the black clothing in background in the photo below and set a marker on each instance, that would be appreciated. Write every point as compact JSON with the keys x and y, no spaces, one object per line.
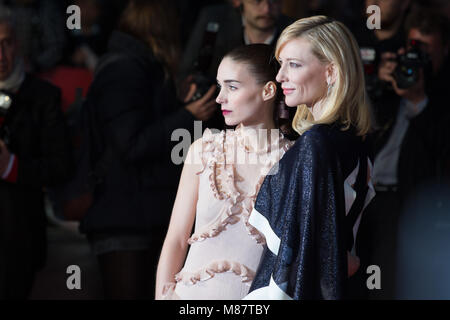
{"x":229,"y":36}
{"x":137,"y":110}
{"x":368,"y":42}
{"x":188,"y":13}
{"x":422,"y":162}
{"x":39,"y":140}
{"x":198,"y":60}
{"x":134,"y":104}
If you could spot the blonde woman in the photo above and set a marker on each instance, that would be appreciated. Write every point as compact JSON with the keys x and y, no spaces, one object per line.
{"x":310,"y":210}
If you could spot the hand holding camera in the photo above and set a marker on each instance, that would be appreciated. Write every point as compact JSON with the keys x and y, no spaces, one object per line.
{"x":204,"y":107}
{"x":405,"y":71}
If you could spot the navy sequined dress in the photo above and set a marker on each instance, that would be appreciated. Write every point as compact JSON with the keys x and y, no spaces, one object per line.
{"x":309,"y":211}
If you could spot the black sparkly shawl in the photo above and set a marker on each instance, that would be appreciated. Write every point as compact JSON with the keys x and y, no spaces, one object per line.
{"x":301,"y":210}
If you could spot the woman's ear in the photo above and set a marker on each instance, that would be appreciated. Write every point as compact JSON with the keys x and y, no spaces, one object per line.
{"x":331,"y":74}
{"x":269,"y":91}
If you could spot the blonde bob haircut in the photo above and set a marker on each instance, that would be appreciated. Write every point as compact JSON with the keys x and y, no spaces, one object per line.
{"x":346,"y":101}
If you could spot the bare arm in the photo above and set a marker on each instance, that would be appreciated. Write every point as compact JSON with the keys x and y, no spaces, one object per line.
{"x":175,"y":246}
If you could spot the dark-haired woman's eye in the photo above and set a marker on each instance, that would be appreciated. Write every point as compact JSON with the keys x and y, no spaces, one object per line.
{"x":232,"y":88}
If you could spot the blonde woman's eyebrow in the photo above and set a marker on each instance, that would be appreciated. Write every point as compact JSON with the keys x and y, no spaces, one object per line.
{"x":289,"y":59}
{"x":293,"y":59}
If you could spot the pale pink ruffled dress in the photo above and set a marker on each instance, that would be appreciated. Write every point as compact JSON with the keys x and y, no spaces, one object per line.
{"x":225,"y":249}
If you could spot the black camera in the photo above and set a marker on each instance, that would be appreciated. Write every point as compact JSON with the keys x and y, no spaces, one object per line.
{"x":409,"y":64}
{"x":204,"y":59}
{"x":203,"y":83}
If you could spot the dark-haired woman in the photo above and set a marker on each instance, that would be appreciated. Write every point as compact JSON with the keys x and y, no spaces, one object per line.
{"x":220,"y":179}
{"x":133,"y":107}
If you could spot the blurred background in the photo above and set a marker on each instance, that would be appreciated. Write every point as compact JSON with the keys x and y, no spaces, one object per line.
{"x":405,"y":230}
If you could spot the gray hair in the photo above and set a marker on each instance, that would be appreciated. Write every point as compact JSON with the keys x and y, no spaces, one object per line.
{"x":7,"y":16}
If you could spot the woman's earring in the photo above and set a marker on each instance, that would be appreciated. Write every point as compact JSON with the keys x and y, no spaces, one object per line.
{"x":329,"y":86}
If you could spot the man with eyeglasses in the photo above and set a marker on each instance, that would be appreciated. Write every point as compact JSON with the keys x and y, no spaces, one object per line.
{"x":221,"y":28}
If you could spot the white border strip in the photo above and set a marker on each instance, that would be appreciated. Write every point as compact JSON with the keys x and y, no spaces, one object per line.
{"x":349,"y":192}
{"x":270,"y":292}
{"x":262,"y":224}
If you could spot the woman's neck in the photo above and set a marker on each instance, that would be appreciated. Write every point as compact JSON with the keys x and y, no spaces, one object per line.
{"x":317,"y":109}
{"x":258,"y":126}
{"x":258,"y":136}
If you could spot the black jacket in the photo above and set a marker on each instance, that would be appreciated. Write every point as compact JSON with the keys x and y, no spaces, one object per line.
{"x":136,"y":112}
{"x":39,"y":139}
{"x":419,"y":159}
{"x":302,"y":212}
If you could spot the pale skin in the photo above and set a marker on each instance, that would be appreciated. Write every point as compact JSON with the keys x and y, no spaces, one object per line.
{"x":304,"y":80}
{"x":251,"y":104}
{"x":303,"y":76}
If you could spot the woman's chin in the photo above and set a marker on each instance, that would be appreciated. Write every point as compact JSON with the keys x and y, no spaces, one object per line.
{"x":291,"y":102}
{"x":231,"y":123}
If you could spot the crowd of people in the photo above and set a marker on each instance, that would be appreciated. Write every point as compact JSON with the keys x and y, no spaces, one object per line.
{"x":87,"y":118}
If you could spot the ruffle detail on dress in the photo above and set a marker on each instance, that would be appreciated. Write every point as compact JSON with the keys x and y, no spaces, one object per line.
{"x":259,"y":237}
{"x":209,"y":152}
{"x":190,"y":278}
{"x":228,"y":215}
{"x":252,"y":231}
{"x":237,"y":203}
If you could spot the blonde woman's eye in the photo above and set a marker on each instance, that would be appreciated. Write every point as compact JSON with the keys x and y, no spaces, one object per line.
{"x":294,"y":65}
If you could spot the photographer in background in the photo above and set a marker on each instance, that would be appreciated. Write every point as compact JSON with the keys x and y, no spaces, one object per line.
{"x":133,"y":112}
{"x":374,"y":42}
{"x":221,"y":28}
{"x":409,"y":140}
{"x":34,"y":153}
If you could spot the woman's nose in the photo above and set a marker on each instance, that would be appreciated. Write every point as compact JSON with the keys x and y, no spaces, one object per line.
{"x":281,"y":76}
{"x":220,"y":98}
